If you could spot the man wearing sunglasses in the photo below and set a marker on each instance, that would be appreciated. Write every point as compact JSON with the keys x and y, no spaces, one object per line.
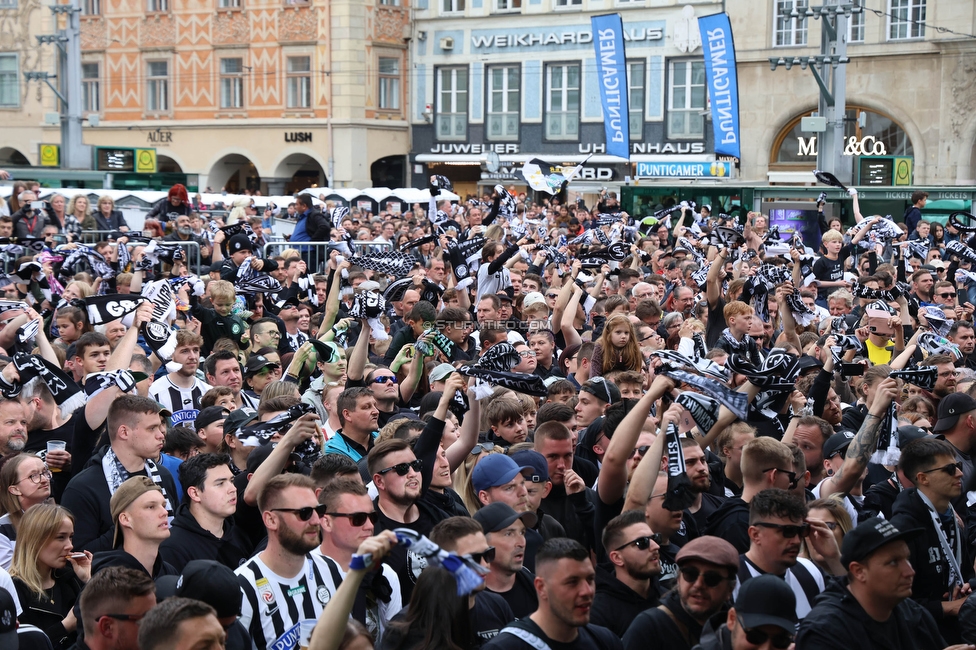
{"x":465,"y":537}
{"x":941,"y":555}
{"x":763,"y":617}
{"x":871,"y":608}
{"x":348,"y":522}
{"x":706,"y":574}
{"x":287,"y":582}
{"x":631,"y":587}
{"x":778,"y":525}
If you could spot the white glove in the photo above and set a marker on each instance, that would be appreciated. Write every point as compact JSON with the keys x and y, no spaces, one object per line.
{"x":852,"y":191}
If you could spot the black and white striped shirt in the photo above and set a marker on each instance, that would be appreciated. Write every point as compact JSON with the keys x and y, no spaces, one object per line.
{"x":274,"y":606}
{"x":296,"y":340}
{"x":805,"y":579}
{"x":184,"y":403}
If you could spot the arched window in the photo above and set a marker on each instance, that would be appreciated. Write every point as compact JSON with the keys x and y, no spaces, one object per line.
{"x":794,"y":147}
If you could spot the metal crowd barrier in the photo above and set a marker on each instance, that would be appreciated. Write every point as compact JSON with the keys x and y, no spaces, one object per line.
{"x":316,"y":253}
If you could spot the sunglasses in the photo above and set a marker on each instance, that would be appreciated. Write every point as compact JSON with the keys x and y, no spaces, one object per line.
{"x":357,"y":518}
{"x":303,"y":513}
{"x":947,"y":295}
{"x":711,"y":578}
{"x":487,"y":555}
{"x":758,"y":637}
{"x":642,"y":543}
{"x":949,"y":469}
{"x":386,"y":380}
{"x":794,"y":481}
{"x":482,"y":446}
{"x":403,"y":468}
{"x":641,"y":451}
{"x":788,"y":531}
{"x":552,"y":295}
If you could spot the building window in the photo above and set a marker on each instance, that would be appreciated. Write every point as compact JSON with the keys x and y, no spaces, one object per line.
{"x":299,"y":81}
{"x":686,"y":100}
{"x":452,"y":6}
{"x":89,"y":7}
{"x":855,"y":28}
{"x":9,"y":80}
{"x":157,"y":87}
{"x":229,"y":4}
{"x":790,"y":22}
{"x":231,"y":83}
{"x":635,"y":97}
{"x":452,"y":103}
{"x":8,"y":4}
{"x":569,"y":3}
{"x":562,"y":101}
{"x":157,"y":6}
{"x":504,"y":85}
{"x":389,"y":83}
{"x":90,"y":88}
{"x":390,"y":3}
{"x":905,"y":18}
{"x":508,"y":5}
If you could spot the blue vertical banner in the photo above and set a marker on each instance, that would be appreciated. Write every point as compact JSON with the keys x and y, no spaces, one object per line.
{"x":723,"y":86}
{"x":611,"y":71}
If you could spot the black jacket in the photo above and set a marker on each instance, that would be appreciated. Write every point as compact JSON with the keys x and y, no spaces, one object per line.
{"x":120,"y":557}
{"x":318,"y":226}
{"x":838,"y":622}
{"x":716,"y":635}
{"x":657,"y":626}
{"x":616,"y":605}
{"x":574,"y":511}
{"x":189,"y":541}
{"x":165,"y":211}
{"x":114,"y":222}
{"x":731,"y":523}
{"x":880,"y":499}
{"x":87,"y":497}
{"x":930,"y":564}
{"x":41,"y":613}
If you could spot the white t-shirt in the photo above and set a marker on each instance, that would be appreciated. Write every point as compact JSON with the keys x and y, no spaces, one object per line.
{"x":7,"y":583}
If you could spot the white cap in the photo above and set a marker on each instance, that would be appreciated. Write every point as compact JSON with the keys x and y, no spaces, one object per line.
{"x":533,"y":298}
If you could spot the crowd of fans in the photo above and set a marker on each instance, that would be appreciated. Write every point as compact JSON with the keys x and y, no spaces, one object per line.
{"x":497,"y":423}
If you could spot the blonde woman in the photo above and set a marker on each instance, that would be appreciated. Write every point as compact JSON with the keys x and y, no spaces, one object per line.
{"x":462,"y":475}
{"x":66,"y":222}
{"x":78,"y":208}
{"x":48,"y":574}
{"x":25,"y":481}
{"x":239,"y":210}
{"x":832,"y":512}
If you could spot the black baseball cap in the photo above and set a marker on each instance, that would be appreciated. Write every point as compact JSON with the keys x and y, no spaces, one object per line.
{"x":257,"y":362}
{"x":213,"y":583}
{"x":239,"y":418}
{"x":601,"y":389}
{"x":766,"y":600}
{"x":210,"y":415}
{"x":499,"y":516}
{"x":869,"y":536}
{"x":951,"y":408}
{"x":535,"y":460}
{"x":8,"y":619}
{"x":239,"y":242}
{"x":837,"y":444}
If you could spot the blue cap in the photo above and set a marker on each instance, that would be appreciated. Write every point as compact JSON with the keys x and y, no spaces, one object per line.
{"x":495,"y":470}
{"x":535,"y":460}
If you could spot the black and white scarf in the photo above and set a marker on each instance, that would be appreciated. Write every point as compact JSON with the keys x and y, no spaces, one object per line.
{"x":937,"y":320}
{"x":257,"y":284}
{"x":262,"y":432}
{"x":802,"y":314}
{"x":703,"y":409}
{"x":506,"y":204}
{"x":95,"y":260}
{"x":125,"y":258}
{"x":679,"y":494}
{"x":393,"y":263}
{"x":370,"y":305}
{"x":861,"y":291}
{"x":160,"y":294}
{"x":829,"y":179}
{"x":918,"y":248}
{"x":420,"y":241}
{"x":922,"y":376}
{"x":116,"y":474}
{"x":961,"y":251}
{"x":66,"y":393}
{"x":104,"y":309}
{"x":735,"y":401}
{"x":931,"y":344}
{"x":887,"y":451}
{"x":735,"y":346}
{"x":884,"y":229}
{"x":96,"y":382}
{"x":160,"y":338}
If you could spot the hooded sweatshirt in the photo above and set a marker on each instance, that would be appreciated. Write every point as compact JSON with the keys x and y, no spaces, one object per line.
{"x":731,"y":523}
{"x":838,"y":622}
{"x":616,"y":605}
{"x":190,"y":541}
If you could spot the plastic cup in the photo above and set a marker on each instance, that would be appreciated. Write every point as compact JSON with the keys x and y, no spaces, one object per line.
{"x":56,"y":445}
{"x":305,"y":628}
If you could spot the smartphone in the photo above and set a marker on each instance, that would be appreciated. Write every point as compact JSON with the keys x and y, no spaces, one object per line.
{"x":37,"y":205}
{"x":878,"y":322}
{"x":852,"y":369}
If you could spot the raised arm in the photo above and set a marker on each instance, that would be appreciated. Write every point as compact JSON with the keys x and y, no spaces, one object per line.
{"x":613,"y":471}
{"x":468,"y":434}
{"x":645,"y":476}
{"x":713,"y":281}
{"x":303,"y":429}
{"x":360,"y":352}
{"x":863,"y":444}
